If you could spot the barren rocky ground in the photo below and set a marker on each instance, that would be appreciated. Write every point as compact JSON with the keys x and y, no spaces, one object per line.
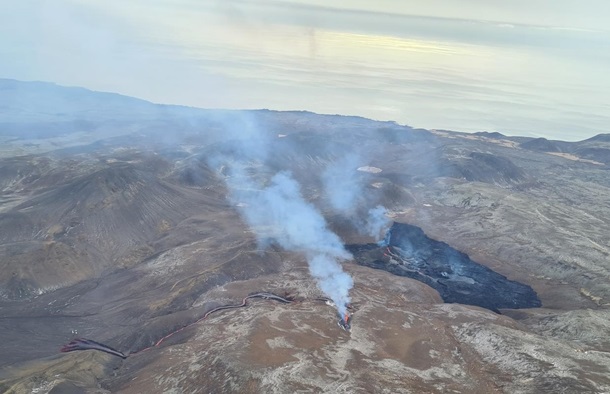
{"x":115,"y":224}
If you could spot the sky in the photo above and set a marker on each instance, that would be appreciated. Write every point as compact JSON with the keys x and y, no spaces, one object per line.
{"x":534,"y":68}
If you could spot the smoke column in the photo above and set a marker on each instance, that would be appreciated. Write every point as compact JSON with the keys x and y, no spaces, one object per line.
{"x":276,"y":209}
{"x":377,"y":222}
{"x":344,"y":191}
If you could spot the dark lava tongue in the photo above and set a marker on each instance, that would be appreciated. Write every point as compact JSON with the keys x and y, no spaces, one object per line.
{"x":407,"y":251}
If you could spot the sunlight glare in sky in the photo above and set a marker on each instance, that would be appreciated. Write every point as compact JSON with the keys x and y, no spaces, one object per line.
{"x":536,"y":68}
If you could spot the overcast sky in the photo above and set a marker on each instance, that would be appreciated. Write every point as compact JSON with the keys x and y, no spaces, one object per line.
{"x":536,"y":67}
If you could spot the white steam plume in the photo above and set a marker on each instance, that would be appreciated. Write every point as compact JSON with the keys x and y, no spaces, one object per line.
{"x":344,"y":190}
{"x":377,"y":222}
{"x":285,"y":216}
{"x":277,"y":210}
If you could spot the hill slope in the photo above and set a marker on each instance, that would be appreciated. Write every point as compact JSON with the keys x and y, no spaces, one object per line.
{"x":120,"y":220}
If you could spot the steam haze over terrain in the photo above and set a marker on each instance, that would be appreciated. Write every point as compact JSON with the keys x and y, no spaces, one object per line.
{"x":535,"y":68}
{"x":277,"y":196}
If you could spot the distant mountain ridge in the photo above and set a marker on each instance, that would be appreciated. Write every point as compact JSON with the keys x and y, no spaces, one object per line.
{"x":53,"y":102}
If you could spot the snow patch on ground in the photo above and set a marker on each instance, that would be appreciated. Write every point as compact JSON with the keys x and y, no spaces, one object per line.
{"x":372,"y":170}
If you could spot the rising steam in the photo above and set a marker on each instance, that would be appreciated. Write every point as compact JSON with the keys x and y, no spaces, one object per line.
{"x":344,"y":190}
{"x":277,"y":211}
